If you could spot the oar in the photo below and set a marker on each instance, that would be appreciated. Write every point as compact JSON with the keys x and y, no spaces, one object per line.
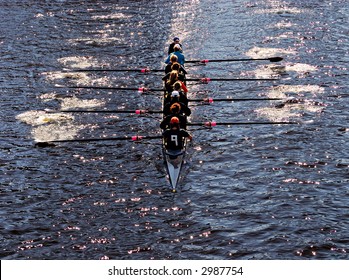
{"x":142,"y":70}
{"x":148,"y":70}
{"x":212,"y":123}
{"x":207,"y":80}
{"x":139,"y":89}
{"x":137,"y":112}
{"x":205,"y":61}
{"x":211,"y":100}
{"x":145,"y":111}
{"x":132,"y":138}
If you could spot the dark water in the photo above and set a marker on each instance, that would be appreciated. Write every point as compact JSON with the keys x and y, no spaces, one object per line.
{"x":248,"y":192}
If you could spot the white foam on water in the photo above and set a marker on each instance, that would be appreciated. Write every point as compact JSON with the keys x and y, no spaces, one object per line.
{"x":74,"y":102}
{"x":258,"y":52}
{"x":280,"y":11}
{"x":112,"y":16}
{"x":58,"y":75}
{"x":56,"y":131}
{"x":53,"y":126}
{"x":37,"y":118}
{"x":281,"y":90}
{"x":79,"y":62}
{"x":278,"y":115}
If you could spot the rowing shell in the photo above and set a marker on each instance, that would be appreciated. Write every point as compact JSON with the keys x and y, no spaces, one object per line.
{"x":174,"y":160}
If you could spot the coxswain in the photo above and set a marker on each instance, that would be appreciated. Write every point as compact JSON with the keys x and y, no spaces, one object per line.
{"x":180,"y":56}
{"x":175,"y":111}
{"x":171,"y":46}
{"x":174,"y":136}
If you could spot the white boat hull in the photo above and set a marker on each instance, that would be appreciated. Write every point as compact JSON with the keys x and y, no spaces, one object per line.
{"x":174,"y":162}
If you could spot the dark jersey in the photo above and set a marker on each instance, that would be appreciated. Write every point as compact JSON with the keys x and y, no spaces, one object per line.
{"x":168,"y":69}
{"x":181,"y":99}
{"x":181,"y":76}
{"x":184,"y":109}
{"x":174,"y":139}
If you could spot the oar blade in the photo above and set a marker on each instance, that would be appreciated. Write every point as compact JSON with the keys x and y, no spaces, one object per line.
{"x":275,"y":59}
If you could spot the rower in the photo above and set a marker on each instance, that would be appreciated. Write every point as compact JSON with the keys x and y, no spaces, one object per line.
{"x":175,"y":66}
{"x":171,"y":46}
{"x":175,"y":111}
{"x":176,"y":92}
{"x":182,"y":90}
{"x":175,"y":99}
{"x":177,"y":51}
{"x":174,"y":60}
{"x":174,"y":136}
{"x":173,"y":77}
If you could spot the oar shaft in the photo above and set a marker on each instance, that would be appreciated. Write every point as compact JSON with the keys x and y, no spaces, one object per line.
{"x":137,"y":112}
{"x":143,"y":70}
{"x":100,"y":87}
{"x":207,"y":80}
{"x":205,"y":61}
{"x":140,"y":89}
{"x":132,"y":138}
{"x":212,"y":123}
{"x":211,"y":100}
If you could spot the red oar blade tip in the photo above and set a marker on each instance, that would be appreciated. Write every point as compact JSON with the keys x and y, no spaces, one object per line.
{"x":205,"y":80}
{"x":145,"y":70}
{"x":210,"y":124}
{"x":204,"y":61}
{"x":139,"y":112}
{"x":136,"y":138}
{"x":208,"y":100}
{"x":143,"y":89}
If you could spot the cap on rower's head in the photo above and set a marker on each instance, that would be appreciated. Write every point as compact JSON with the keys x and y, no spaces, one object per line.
{"x":175,"y":93}
{"x":176,"y":39}
{"x":177,"y":47}
{"x":174,"y":120}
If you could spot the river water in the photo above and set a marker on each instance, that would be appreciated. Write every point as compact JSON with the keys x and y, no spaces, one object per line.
{"x":248,"y":191}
